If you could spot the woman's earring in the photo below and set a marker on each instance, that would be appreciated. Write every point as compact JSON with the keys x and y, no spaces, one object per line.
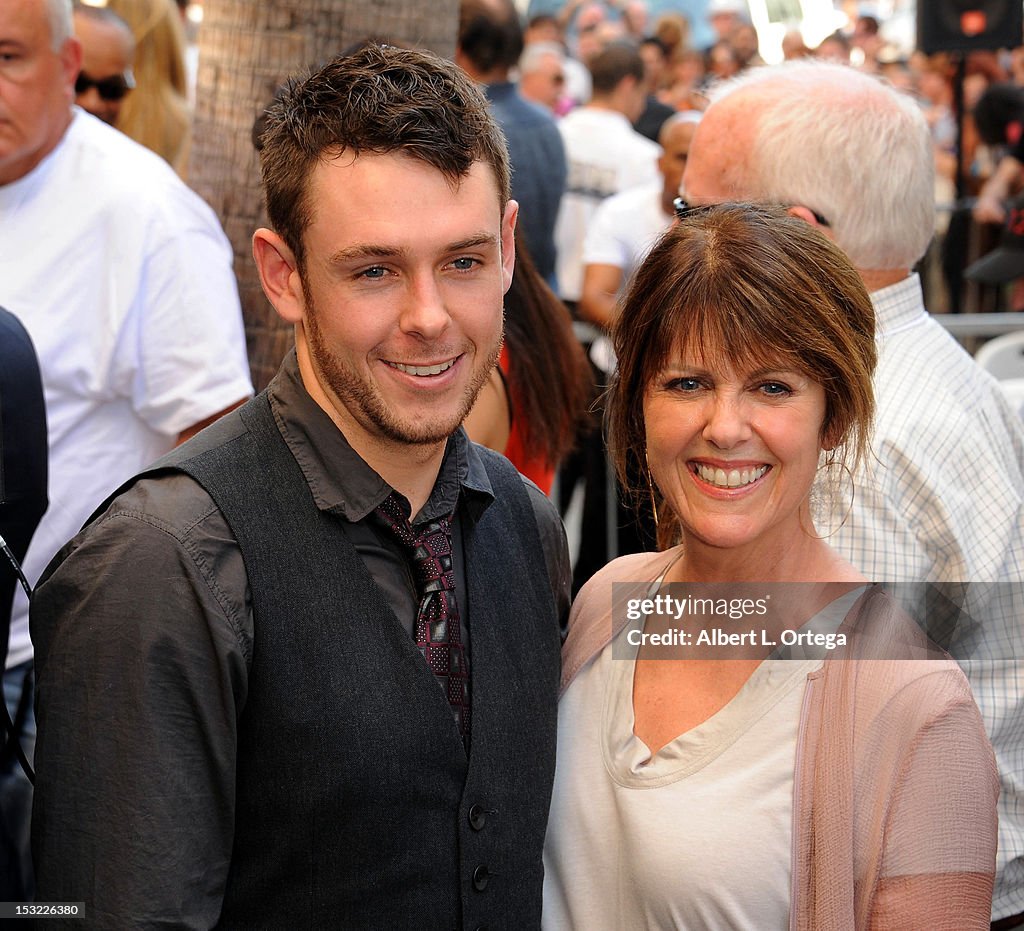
{"x":650,"y":491}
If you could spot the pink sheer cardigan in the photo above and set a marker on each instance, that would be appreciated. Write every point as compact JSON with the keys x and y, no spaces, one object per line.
{"x":895,"y":788}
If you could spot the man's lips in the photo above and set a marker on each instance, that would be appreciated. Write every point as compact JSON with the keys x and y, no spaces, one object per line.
{"x":422,"y":370}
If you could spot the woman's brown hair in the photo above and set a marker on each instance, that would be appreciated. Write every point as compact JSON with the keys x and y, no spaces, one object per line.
{"x":549,"y":377}
{"x":749,"y":286}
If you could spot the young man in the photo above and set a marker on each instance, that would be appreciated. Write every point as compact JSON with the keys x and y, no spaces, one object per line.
{"x":627,"y":225}
{"x":606,"y":155}
{"x":489,"y":44}
{"x":296,"y":583}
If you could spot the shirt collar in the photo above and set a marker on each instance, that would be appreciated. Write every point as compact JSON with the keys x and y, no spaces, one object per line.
{"x":499,"y":90}
{"x":338,"y":478}
{"x":898,"y":306}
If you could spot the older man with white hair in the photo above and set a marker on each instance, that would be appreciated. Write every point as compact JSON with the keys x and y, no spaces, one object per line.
{"x":542,"y":74}
{"x":123,"y":278}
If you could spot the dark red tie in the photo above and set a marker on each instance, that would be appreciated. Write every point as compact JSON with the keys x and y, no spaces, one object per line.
{"x":437,"y":622}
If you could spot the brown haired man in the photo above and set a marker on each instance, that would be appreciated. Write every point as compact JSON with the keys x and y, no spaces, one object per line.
{"x":280,"y":754}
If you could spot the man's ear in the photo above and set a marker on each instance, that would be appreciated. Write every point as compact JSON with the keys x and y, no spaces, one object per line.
{"x":279,"y":275}
{"x":806,"y":215}
{"x":508,"y":243}
{"x":70,"y":64}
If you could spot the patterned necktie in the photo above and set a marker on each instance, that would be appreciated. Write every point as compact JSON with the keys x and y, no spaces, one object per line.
{"x":437,"y":622}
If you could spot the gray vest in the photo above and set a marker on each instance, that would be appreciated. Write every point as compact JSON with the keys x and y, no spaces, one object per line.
{"x":356,"y":806}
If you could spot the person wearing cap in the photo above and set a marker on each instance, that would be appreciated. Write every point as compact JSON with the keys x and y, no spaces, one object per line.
{"x":725,"y":15}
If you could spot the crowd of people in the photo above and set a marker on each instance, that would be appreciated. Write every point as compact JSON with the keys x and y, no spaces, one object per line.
{"x":322,"y":657}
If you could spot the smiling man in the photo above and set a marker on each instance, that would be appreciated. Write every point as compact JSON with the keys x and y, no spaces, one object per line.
{"x":343,"y":616}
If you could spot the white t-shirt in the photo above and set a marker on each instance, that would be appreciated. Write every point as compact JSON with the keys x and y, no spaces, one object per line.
{"x":123,"y":278}
{"x":606,"y":156}
{"x":624,"y":228}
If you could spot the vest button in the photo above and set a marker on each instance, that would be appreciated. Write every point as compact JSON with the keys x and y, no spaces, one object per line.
{"x":480,"y":877}
{"x":477,"y":817}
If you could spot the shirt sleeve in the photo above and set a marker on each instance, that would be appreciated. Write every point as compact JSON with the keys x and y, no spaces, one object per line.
{"x":940,"y":833}
{"x":603,"y":244}
{"x":141,"y":665}
{"x":184,"y":340}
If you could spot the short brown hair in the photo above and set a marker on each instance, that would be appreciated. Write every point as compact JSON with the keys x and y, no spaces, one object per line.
{"x":613,"y":64}
{"x":377,"y":99}
{"x":490,"y":34}
{"x":751,"y":286}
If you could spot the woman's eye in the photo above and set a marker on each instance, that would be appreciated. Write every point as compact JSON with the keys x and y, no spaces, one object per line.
{"x":684,"y":384}
{"x":775,"y":388}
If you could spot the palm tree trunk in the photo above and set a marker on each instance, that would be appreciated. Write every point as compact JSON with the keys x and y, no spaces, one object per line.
{"x":246,"y":49}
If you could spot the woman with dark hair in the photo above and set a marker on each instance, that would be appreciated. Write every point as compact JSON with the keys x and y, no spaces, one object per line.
{"x":750,"y":734}
{"x":538,"y":396}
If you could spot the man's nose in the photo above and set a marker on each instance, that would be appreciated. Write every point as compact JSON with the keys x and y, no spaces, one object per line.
{"x":425,"y":312}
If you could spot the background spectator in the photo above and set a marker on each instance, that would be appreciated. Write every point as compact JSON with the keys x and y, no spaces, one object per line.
{"x":489,"y":45}
{"x":157,"y":113}
{"x":108,"y":50}
{"x":542,"y":75}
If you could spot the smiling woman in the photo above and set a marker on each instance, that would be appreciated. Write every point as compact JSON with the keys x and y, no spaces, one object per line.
{"x":722,"y":775}
{"x":758,"y":316}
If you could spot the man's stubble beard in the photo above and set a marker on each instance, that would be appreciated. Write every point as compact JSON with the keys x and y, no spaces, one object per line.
{"x":363,"y":402}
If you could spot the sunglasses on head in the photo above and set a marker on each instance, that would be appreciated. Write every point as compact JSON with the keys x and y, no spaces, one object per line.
{"x":684,"y":209}
{"x":112,"y":88}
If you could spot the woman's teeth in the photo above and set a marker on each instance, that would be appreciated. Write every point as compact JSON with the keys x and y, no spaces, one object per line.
{"x":734,"y":478}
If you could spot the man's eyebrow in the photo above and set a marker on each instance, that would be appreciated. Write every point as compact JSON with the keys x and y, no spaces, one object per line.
{"x":367,"y":251}
{"x":364,"y":251}
{"x":472,"y":242}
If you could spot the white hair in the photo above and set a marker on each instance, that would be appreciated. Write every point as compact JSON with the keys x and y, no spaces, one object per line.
{"x":58,"y":12}
{"x":848,"y":146}
{"x":535,"y":52}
